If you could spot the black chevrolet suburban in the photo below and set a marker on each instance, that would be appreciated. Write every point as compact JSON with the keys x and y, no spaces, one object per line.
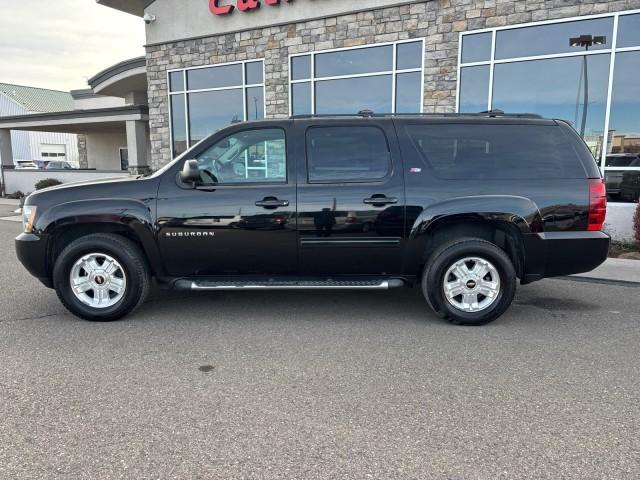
{"x":462,"y":205}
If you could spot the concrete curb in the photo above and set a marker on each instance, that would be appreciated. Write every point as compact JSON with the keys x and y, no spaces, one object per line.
{"x":615,"y":269}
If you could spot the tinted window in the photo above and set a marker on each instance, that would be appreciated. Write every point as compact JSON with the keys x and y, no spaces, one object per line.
{"x":552,"y":38}
{"x":408,"y":92}
{"x":178,"y":124}
{"x":255,"y":103}
{"x":351,"y":62}
{"x":476,"y":47}
{"x":350,"y":95}
{"x":210,"y":111}
{"x":629,"y":31}
{"x":496,"y":151}
{"x":253,"y":73}
{"x":474,"y":89}
{"x":409,"y":55}
{"x":301,"y":98}
{"x":347,"y":154}
{"x":301,"y":67}
{"x":554,"y":88}
{"x":176,"y":81}
{"x":215,"y":77}
{"x":245,"y":157}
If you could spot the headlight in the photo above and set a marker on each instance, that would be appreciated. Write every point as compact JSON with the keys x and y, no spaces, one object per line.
{"x":28,"y":218}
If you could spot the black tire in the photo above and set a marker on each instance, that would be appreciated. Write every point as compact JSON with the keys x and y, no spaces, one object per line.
{"x":446,"y":256}
{"x":129,"y":256}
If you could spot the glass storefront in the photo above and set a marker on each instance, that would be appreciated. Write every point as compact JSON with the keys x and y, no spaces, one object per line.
{"x":384,"y":78}
{"x":584,"y":71}
{"x":205,"y":99}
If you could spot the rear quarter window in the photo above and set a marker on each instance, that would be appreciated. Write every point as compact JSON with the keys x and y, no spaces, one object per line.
{"x":467,"y":151}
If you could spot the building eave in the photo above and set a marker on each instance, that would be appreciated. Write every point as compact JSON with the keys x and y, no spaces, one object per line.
{"x":133,"y":7}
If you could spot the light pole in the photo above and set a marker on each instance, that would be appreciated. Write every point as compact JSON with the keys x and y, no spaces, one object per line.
{"x":586,"y":41}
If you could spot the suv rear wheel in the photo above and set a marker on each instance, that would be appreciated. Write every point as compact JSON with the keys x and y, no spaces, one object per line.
{"x":469,"y":281}
{"x":101,"y":277}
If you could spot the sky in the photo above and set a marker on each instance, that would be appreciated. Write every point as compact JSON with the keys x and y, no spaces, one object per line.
{"x":59,"y":44}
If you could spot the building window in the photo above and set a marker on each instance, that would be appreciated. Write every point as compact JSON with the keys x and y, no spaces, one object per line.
{"x":383,"y":78}
{"x":203,"y":100}
{"x":582,"y":70}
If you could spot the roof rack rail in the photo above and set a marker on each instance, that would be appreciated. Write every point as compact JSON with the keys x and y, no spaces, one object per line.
{"x":370,"y":114}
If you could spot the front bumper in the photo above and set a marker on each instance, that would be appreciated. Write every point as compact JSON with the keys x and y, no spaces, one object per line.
{"x":552,"y":254}
{"x":32,"y":253}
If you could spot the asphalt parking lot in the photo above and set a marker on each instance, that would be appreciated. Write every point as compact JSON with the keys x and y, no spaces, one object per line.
{"x":311,"y":385}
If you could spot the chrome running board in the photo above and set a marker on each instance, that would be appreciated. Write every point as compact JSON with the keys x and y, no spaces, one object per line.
{"x":375,"y":284}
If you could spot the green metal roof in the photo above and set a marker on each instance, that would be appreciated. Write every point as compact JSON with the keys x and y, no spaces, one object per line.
{"x":38,"y":99}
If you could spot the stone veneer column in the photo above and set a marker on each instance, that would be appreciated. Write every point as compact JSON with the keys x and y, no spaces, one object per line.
{"x":83,"y":159}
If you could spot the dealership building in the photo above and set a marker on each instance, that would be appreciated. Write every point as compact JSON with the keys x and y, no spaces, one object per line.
{"x":212,"y":62}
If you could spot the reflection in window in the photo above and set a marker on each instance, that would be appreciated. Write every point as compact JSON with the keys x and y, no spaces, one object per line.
{"x":409,"y":55}
{"x":350,"y":95}
{"x":210,"y":111}
{"x":624,"y":130}
{"x":301,"y":67}
{"x":216,"y":96}
{"x":474,"y":88}
{"x":249,"y":156}
{"x":490,"y":151}
{"x":255,"y":103}
{"x":629,"y":31}
{"x":554,"y":88}
{"x":352,"y":62}
{"x":214,"y":77}
{"x":408,"y":92}
{"x":336,"y":154}
{"x":301,"y":98}
{"x":178,"y":124}
{"x":476,"y":48}
{"x":550,"y":39}
{"x":360,"y":78}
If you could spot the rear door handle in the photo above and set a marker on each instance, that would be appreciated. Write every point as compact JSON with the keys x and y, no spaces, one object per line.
{"x":380,"y":200}
{"x":272,"y":202}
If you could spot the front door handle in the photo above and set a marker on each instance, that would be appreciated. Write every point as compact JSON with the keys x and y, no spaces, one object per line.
{"x":272,"y":202}
{"x":380,"y":200}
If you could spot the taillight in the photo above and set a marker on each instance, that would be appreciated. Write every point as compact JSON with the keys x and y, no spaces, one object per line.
{"x":597,"y":204}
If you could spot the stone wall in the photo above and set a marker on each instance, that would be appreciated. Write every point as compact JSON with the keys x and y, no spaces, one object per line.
{"x":83,"y":161}
{"x":438,"y":21}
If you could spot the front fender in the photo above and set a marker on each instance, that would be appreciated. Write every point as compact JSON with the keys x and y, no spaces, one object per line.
{"x":134,"y":215}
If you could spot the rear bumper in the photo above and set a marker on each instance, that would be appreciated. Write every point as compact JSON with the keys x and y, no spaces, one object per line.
{"x":32,"y":252}
{"x":552,"y":254}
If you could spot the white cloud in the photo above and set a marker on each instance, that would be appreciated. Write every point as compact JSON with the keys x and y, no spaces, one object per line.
{"x":59,"y":44}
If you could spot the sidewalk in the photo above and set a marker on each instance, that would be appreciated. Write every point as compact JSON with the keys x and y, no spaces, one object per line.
{"x":616,"y":269}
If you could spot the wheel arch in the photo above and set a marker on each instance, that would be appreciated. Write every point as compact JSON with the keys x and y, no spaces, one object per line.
{"x":131,"y":219}
{"x":501,"y":220}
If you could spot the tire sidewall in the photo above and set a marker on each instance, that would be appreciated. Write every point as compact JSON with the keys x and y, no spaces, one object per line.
{"x":442,"y":262}
{"x":70,"y":256}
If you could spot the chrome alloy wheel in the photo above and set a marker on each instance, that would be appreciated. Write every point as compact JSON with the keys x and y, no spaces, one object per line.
{"x":98,"y":280}
{"x":471,"y":284}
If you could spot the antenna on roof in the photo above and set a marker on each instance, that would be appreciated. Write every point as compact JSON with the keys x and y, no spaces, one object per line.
{"x":366,"y":113}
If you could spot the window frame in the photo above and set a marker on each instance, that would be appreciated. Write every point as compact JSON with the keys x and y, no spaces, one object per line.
{"x":312,"y":80}
{"x":204,"y":148}
{"x":612,"y":51}
{"x":244,"y":86}
{"x":384,"y":179}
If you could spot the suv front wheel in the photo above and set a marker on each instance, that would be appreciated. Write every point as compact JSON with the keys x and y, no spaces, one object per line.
{"x":469,"y":281}
{"x":101,"y":277}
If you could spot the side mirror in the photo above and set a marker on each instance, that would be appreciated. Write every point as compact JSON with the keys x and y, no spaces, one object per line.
{"x":190,"y":172}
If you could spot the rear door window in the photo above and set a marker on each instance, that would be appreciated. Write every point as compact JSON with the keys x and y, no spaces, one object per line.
{"x":465,"y":151}
{"x":347,"y":154}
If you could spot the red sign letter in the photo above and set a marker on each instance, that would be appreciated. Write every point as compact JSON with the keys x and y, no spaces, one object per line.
{"x":219,"y":9}
{"x":274,"y":2}
{"x":245,"y":5}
